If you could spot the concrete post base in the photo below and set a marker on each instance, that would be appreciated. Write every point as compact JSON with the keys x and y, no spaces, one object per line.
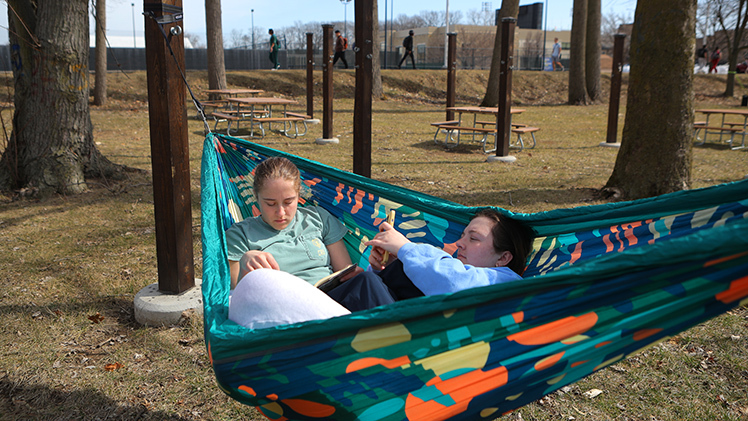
{"x":610,"y":145}
{"x":154,"y":308}
{"x":322,"y":141}
{"x":494,"y":158}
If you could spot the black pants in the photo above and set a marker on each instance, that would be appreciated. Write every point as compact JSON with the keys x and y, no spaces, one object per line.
{"x":406,"y":55}
{"x":339,"y":55}
{"x":368,"y":289}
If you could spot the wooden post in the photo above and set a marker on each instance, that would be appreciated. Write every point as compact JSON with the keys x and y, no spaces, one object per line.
{"x":615,"y":88}
{"x":364,"y":80}
{"x":169,"y":147}
{"x":451,"y":73}
{"x":504,"y":117}
{"x":310,"y":74}
{"x":327,"y":56}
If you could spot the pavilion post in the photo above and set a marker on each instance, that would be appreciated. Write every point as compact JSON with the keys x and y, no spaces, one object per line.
{"x":310,"y":74}
{"x":327,"y":57}
{"x":169,"y":146}
{"x":504,"y":116}
{"x":615,"y":91}
{"x":364,"y":81}
{"x":451,"y":73}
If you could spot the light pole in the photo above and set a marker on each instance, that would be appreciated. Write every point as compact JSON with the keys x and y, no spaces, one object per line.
{"x":253,"y":29}
{"x":134,"y":43}
{"x":345,"y":17}
{"x":446,"y":34}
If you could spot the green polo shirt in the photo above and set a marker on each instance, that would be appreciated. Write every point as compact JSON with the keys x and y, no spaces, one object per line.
{"x":299,"y":249}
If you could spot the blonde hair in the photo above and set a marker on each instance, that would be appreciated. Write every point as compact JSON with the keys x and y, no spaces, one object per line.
{"x":274,"y":168}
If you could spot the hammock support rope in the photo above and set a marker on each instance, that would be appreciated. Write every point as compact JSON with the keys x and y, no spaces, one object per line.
{"x":602,"y":282}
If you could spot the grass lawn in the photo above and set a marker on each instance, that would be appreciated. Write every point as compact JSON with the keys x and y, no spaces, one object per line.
{"x":70,"y":266}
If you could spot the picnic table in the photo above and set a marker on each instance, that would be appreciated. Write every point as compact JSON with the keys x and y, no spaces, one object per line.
{"x":454,"y":129}
{"x":725,"y":129}
{"x":223,"y":103}
{"x":258,"y":111}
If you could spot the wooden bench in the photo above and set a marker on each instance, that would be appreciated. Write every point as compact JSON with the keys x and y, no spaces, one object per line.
{"x":229,"y":118}
{"x":291,"y":119}
{"x":486,"y":123}
{"x":304,"y":116}
{"x":524,"y":130}
{"x":728,"y":128}
{"x":450,"y":127}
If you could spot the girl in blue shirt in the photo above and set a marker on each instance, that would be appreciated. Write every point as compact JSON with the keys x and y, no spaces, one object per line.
{"x":493,"y":249}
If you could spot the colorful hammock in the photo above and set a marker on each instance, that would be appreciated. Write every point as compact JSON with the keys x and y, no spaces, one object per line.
{"x":602,"y":282}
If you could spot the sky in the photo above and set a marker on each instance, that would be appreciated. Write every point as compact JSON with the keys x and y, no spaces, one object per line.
{"x":124,"y":16}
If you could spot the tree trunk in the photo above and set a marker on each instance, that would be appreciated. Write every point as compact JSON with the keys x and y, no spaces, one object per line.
{"x":509,"y":9}
{"x":656,"y":146}
{"x":593,"y":50}
{"x":51,"y":146}
{"x":737,"y":43}
{"x":377,"y":90}
{"x":214,"y":33}
{"x":577,"y":69}
{"x":101,"y":65}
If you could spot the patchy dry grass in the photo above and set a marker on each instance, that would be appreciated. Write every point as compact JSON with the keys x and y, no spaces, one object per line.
{"x":70,"y":266}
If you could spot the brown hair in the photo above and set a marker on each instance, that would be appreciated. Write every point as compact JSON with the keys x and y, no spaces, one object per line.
{"x":273,"y":168}
{"x":509,"y":235}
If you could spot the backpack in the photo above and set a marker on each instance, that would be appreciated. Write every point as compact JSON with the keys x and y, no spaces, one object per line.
{"x":345,"y":43}
{"x":715,"y":55}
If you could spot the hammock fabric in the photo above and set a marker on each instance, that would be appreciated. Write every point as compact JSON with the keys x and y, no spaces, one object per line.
{"x":602,"y":282}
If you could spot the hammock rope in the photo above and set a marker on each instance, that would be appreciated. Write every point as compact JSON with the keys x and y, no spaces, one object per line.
{"x":602,"y":282}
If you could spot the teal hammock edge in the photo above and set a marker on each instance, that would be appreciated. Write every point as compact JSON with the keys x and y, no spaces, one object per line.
{"x":230,"y":344}
{"x":543,"y":223}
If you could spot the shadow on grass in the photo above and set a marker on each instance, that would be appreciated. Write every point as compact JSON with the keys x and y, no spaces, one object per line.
{"x":20,"y":399}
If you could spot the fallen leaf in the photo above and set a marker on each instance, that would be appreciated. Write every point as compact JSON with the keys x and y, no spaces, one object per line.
{"x":113,"y":366}
{"x":96,"y":318}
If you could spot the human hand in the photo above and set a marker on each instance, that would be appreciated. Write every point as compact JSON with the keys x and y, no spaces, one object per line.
{"x":256,"y":259}
{"x":388,"y":239}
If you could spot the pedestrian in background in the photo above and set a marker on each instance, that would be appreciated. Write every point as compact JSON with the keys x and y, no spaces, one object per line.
{"x":408,"y":44}
{"x":274,"y":47}
{"x":341,"y":44}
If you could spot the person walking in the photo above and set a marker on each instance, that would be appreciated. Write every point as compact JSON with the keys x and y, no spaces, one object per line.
{"x":408,"y":44}
{"x":716,"y":57}
{"x":556,"y":55}
{"x":274,"y":46}
{"x":703,"y":58}
{"x":341,"y":44}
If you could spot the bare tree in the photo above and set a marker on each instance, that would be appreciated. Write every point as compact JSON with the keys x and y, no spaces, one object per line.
{"x":195,"y":40}
{"x":593,"y":50}
{"x":656,"y":147}
{"x":577,"y":52}
{"x":403,"y":22}
{"x":610,"y":25}
{"x":214,"y":33}
{"x":101,"y":65}
{"x":377,"y":90}
{"x":480,"y":17}
{"x":509,"y":9}
{"x":49,"y":40}
{"x":732,"y":17}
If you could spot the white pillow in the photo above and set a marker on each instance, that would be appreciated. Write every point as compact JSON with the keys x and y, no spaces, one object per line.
{"x":265,"y":298}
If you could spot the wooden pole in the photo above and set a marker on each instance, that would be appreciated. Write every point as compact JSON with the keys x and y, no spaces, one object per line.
{"x":327,"y":57}
{"x":615,"y":88}
{"x":451,"y":73}
{"x":364,"y":80}
{"x":310,"y":74}
{"x":504,"y":117}
{"x":169,"y":146}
